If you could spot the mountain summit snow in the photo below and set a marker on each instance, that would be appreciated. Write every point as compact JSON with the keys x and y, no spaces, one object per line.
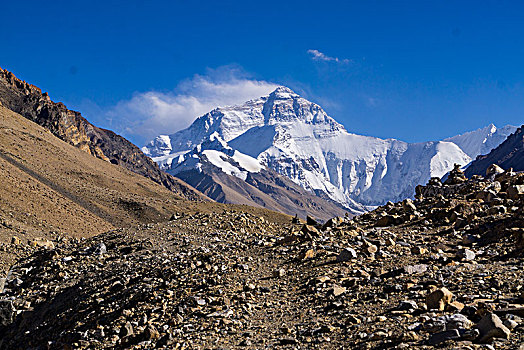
{"x":297,"y":139}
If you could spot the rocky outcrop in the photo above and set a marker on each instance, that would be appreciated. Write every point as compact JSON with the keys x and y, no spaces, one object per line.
{"x":265,"y":189}
{"x":29,"y":101}
{"x":509,"y":154}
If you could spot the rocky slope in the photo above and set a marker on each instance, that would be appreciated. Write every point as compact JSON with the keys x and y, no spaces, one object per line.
{"x":509,"y":154}
{"x":297,"y":139}
{"x":443,"y":270}
{"x":50,"y":190}
{"x":29,"y":101}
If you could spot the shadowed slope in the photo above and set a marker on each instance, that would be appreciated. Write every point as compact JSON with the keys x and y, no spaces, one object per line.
{"x":509,"y":154}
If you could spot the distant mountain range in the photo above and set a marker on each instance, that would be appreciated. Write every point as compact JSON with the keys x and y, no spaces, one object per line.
{"x":293,"y":137}
{"x":280,"y":151}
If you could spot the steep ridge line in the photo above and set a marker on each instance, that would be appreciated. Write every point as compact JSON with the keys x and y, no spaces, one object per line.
{"x":509,"y":154}
{"x":70,"y":126}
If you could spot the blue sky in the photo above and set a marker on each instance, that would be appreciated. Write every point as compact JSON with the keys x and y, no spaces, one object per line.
{"x":413,"y":70}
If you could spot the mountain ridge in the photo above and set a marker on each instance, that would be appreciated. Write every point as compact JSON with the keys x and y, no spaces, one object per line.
{"x":29,"y":101}
{"x":229,"y":176}
{"x":509,"y":154}
{"x":297,"y":139}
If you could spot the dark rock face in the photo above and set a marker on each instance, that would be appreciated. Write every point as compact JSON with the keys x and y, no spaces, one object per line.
{"x":29,"y":101}
{"x":509,"y":154}
{"x":265,"y":189}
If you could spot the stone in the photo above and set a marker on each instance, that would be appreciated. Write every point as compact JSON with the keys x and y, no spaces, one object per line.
{"x":388,"y":220}
{"x":407,"y":305}
{"x":493,"y":170}
{"x":100,"y":249}
{"x":498,"y":209}
{"x":454,"y":306}
{"x":311,"y":221}
{"x":416,"y":250}
{"x":346,"y":254}
{"x":491,"y":326}
{"x":447,"y":322}
{"x":246,"y":342}
{"x":407,"y":205}
{"x":486,"y":196}
{"x":469,"y":239}
{"x":166,"y":340}
{"x":441,"y":337}
{"x":456,"y":176}
{"x":15,"y":240}
{"x":307,"y":254}
{"x":511,"y":324}
{"x":337,"y":290}
{"x":126,"y":330}
{"x":379,"y":335}
{"x":40,"y":242}
{"x":151,"y":333}
{"x":7,"y":312}
{"x":466,"y":254}
{"x":279,"y":273}
{"x":515,"y":192}
{"x":370,"y":249}
{"x":518,"y":234}
{"x":438,"y":299}
{"x":333,"y":222}
{"x":415,"y":269}
{"x":288,"y":341}
{"x":310,"y":230}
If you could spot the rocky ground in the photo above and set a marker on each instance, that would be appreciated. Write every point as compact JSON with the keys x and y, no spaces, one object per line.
{"x":445,"y":270}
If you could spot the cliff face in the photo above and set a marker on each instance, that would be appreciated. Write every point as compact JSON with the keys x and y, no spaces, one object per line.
{"x":29,"y":101}
{"x":509,"y":154}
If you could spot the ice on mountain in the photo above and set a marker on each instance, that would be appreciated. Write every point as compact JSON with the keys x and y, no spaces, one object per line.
{"x":297,"y":139}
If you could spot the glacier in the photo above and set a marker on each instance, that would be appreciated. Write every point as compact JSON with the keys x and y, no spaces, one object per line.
{"x":296,"y":138}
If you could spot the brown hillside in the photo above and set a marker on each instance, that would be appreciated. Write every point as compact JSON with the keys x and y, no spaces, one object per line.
{"x":50,"y":189}
{"x":29,"y":101}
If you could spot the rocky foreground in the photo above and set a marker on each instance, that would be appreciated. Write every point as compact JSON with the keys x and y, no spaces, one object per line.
{"x":444,"y":270}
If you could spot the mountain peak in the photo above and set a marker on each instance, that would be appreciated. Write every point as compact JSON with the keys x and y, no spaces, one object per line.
{"x":283,"y":92}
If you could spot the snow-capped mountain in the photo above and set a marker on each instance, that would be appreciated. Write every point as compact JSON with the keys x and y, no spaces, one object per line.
{"x":215,"y":151}
{"x":229,"y":176}
{"x":482,"y":141}
{"x":297,"y":139}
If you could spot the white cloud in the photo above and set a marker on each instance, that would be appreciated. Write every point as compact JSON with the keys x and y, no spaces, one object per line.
{"x":152,"y":113}
{"x":320,"y":56}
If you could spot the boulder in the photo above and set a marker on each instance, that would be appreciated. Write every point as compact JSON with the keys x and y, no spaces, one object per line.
{"x":438,"y":299}
{"x":491,"y":326}
{"x":494,"y":170}
{"x":515,"y":192}
{"x":441,"y":337}
{"x":333,"y":222}
{"x":347,"y":254}
{"x":388,"y":220}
